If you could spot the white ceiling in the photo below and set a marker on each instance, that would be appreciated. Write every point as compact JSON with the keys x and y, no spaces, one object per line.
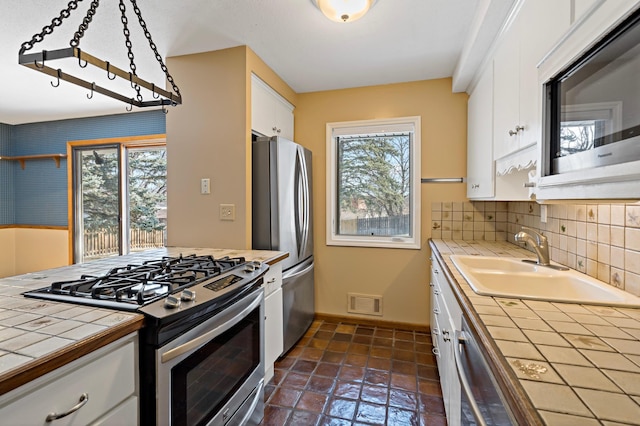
{"x":397,"y":41}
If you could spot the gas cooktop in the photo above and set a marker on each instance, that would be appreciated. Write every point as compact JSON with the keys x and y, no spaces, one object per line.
{"x":132,"y":286}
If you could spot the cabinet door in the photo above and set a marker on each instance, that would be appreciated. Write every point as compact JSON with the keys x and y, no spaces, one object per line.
{"x":107,"y":376}
{"x":262,"y":112}
{"x":517,"y":91}
{"x":271,"y":114}
{"x":534,"y":45}
{"x":506,"y":67}
{"x":124,"y":414}
{"x":273,"y":339}
{"x":480,"y":165}
{"x":284,"y":119}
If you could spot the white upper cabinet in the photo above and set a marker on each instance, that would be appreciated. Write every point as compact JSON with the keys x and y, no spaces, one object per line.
{"x":480,"y":169}
{"x":271,"y":114}
{"x":517,"y":91}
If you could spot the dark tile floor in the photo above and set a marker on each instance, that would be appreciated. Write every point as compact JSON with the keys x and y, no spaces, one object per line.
{"x":348,"y":374}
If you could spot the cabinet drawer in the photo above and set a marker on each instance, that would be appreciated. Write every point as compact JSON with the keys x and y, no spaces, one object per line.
{"x":108,"y":376}
{"x":124,"y":414}
{"x":273,"y":279}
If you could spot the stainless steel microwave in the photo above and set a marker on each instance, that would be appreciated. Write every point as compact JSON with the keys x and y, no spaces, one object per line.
{"x":591,"y":112}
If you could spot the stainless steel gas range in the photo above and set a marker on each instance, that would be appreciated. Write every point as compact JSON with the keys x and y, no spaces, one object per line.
{"x":202,"y":347}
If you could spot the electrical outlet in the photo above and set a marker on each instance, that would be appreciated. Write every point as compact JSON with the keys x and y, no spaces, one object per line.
{"x":543,"y":213}
{"x":227,"y":212}
{"x":205,"y":186}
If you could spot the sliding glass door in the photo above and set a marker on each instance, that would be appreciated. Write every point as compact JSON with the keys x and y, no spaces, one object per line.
{"x":119,"y":200}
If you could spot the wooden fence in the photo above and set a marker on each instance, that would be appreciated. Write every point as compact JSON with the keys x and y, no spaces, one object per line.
{"x":385,"y":226}
{"x":105,"y":243}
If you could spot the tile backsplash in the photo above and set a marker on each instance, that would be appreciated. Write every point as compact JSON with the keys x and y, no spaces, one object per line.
{"x":601,"y":240}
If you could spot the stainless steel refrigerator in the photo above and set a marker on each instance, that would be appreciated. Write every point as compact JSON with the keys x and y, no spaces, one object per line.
{"x":282,"y":220}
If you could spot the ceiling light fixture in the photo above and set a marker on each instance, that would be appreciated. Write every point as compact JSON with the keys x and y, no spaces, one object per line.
{"x":344,"y":10}
{"x":156,"y":96}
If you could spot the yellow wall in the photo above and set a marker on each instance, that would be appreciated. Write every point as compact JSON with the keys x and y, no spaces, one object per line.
{"x":210,"y":136}
{"x":7,"y":252}
{"x":206,"y":139}
{"x":400,"y":276}
{"x":25,"y":250}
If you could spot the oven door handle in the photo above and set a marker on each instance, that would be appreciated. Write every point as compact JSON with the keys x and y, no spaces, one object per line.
{"x":257,"y":397}
{"x":204,"y":338}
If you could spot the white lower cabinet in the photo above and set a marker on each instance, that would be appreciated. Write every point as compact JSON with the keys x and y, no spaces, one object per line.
{"x":446,"y":318}
{"x":108,"y":377}
{"x":273,"y":322}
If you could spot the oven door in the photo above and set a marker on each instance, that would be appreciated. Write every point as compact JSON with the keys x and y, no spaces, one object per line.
{"x":214,"y":373}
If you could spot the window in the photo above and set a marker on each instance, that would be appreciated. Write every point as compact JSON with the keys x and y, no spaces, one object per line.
{"x":373,"y":178}
{"x":119,"y":196}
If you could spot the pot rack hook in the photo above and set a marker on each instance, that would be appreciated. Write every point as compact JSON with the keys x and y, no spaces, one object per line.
{"x":93,"y":86}
{"x":80,"y":60}
{"x":165,"y":110}
{"x":130,"y":107}
{"x":44,"y":58}
{"x":153,"y":90}
{"x":58,"y":83}
{"x":109,"y":72}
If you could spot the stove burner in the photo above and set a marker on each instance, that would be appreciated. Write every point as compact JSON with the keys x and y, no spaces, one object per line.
{"x":145,"y":283}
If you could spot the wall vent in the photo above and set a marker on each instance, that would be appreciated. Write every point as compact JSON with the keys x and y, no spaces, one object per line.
{"x":364,"y":304}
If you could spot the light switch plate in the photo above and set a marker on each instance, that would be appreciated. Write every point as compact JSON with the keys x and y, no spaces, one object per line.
{"x":205,"y":186}
{"x":227,"y":212}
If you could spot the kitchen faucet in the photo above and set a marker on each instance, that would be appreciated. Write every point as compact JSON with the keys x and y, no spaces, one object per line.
{"x":538,"y":242}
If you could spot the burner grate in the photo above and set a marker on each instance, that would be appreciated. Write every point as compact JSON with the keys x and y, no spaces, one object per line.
{"x":146,"y":282}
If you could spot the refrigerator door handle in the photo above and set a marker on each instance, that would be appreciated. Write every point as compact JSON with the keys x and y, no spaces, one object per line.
{"x":307,"y":198}
{"x":297,"y":204}
{"x":301,"y":196}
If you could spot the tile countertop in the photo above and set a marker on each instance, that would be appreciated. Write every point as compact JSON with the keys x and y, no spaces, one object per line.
{"x":38,"y":336}
{"x":577,"y":364}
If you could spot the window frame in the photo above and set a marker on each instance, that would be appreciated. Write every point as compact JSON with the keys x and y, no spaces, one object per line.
{"x":388,"y":125}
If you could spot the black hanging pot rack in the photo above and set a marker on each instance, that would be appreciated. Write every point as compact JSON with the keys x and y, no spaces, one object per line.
{"x":39,"y":61}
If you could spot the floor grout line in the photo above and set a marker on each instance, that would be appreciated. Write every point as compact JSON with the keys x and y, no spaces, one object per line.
{"x":349,"y":374}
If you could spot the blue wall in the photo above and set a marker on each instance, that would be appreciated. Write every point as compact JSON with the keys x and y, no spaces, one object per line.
{"x":39,"y":192}
{"x":7,"y":206}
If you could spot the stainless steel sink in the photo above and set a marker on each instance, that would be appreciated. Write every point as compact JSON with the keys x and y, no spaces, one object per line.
{"x":513,"y":278}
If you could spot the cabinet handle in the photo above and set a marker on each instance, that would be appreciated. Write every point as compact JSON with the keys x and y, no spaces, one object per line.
{"x":436,"y":311}
{"x":84,"y":398}
{"x":446,"y":335}
{"x":435,"y":271}
{"x":475,"y":186}
{"x":272,"y":280}
{"x":516,"y":131}
{"x":436,"y":292}
{"x":278,"y":131}
{"x":273,"y":129}
{"x":435,"y":331}
{"x":436,"y":351}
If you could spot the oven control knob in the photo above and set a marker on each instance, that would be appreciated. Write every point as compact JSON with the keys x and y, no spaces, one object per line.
{"x":252,"y":266}
{"x":188,"y":295}
{"x":171,"y":302}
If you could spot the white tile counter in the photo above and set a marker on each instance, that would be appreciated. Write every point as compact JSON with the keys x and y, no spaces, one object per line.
{"x":37,"y":336}
{"x":577,"y":364}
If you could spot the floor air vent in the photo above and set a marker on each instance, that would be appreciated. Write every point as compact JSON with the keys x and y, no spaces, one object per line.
{"x":364,"y":304}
